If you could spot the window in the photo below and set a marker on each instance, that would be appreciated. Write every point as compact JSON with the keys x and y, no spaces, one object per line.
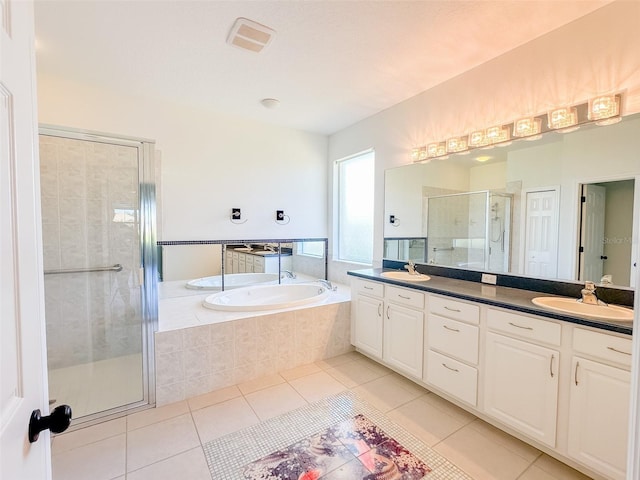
{"x":355,"y":181}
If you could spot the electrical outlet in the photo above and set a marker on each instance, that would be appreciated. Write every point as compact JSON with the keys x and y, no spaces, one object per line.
{"x":392,"y":219}
{"x":279,"y":215}
{"x":488,"y":278}
{"x":235,"y":214}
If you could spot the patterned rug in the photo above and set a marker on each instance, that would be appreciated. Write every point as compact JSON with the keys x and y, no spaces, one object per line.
{"x":338,"y":438}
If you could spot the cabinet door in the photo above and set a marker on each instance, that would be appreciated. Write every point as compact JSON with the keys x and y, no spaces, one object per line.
{"x":368,"y":325}
{"x":242,"y":263}
{"x":521,"y":386}
{"x":403,"y":334}
{"x":599,"y":416}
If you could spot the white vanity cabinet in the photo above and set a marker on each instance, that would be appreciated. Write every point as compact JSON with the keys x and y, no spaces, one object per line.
{"x":451,"y":347}
{"x":599,"y":401}
{"x":368,"y":308}
{"x":521,"y":373}
{"x":403,"y":329}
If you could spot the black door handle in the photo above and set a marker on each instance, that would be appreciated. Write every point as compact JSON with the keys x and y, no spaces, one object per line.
{"x":603,"y":257}
{"x":57,"y":422}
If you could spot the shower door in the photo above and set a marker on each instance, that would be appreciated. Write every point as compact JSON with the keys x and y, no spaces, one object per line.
{"x":97,"y":213}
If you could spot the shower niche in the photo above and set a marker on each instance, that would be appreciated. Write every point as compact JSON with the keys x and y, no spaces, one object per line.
{"x":470,"y":230}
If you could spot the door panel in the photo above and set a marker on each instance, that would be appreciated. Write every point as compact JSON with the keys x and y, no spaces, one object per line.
{"x":541,"y":234}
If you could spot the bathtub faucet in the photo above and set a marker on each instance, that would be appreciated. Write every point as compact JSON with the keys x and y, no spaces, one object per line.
{"x":288,"y":274}
{"x":327,"y":284}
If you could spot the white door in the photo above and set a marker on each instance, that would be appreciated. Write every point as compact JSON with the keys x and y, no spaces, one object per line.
{"x":592,"y":233}
{"x":23,"y":385}
{"x":541,"y":234}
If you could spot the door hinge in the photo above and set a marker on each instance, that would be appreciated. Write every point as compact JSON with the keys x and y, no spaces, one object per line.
{"x":581,"y":250}
{"x":583,"y":199}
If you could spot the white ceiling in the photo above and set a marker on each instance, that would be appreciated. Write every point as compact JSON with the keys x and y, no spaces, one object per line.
{"x":331,"y":64}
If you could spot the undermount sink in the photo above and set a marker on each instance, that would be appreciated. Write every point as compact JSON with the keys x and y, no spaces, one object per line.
{"x":573,"y":306}
{"x":405,"y":276}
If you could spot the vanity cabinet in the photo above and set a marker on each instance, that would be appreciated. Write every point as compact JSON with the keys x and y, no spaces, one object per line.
{"x":368,"y":306}
{"x":403,"y":329}
{"x":451,"y":347}
{"x":521,"y":373}
{"x":599,"y":401}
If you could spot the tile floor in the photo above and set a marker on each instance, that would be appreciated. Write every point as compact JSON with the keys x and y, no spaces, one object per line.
{"x":167,"y":442}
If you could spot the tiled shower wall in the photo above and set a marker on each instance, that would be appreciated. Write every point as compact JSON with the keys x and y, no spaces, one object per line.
{"x":196,"y":360}
{"x":90,"y":219}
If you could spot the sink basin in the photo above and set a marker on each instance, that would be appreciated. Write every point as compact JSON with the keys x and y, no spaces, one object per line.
{"x":243,"y":249}
{"x":572,"y":306}
{"x":405,"y":276}
{"x":264,"y":252}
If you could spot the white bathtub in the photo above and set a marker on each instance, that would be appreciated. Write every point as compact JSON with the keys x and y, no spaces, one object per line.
{"x":266,"y":297}
{"x":231,"y":280}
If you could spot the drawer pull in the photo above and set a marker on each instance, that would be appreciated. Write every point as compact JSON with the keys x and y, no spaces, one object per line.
{"x":575,"y":375}
{"x":451,"y":329}
{"x":553,"y":357}
{"x":617,"y":351}
{"x":450,"y":368}
{"x":520,"y":326}
{"x":367,"y":288}
{"x":451,"y":309}
{"x":406,"y":298}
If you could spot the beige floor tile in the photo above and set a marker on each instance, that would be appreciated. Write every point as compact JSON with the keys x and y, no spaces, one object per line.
{"x":511,"y":443}
{"x":481,"y":457}
{"x":160,"y":440}
{"x":558,"y":470}
{"x":222,"y":418}
{"x":211,"y":398}
{"x":449,"y":408}
{"x":317,"y":386}
{"x":301,"y":371}
{"x":260,"y":384}
{"x":427,"y":422}
{"x":190,"y":465}
{"x":380,"y":369}
{"x":535,"y":473}
{"x":386,"y":393}
{"x":155,"y":415}
{"x":339,"y":360}
{"x":352,"y":374}
{"x":274,"y":401}
{"x":102,"y":460}
{"x":87,"y":435}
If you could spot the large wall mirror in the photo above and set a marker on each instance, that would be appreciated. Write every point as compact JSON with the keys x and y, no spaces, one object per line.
{"x":565,"y":206}
{"x":197,"y":268}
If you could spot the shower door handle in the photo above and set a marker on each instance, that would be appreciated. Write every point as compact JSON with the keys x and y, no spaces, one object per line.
{"x":57,"y":422}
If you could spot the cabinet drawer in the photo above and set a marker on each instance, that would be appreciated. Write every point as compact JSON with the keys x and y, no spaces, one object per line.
{"x":453,"y":377}
{"x":403,"y":296}
{"x":455,"y":309}
{"x":526,"y":327}
{"x":460,"y":340}
{"x":375,"y":289}
{"x":604,"y":346}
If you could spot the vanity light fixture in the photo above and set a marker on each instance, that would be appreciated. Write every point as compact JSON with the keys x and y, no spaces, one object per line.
{"x":437,"y":149}
{"x":415,"y":154}
{"x":478,"y":139}
{"x":563,"y":119}
{"x":498,"y":134}
{"x":604,"y":110}
{"x":456,"y":144}
{"x":527,"y":126}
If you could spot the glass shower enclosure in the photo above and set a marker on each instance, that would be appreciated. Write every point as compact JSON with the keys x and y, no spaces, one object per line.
{"x":98,"y":224}
{"x":470,"y":230}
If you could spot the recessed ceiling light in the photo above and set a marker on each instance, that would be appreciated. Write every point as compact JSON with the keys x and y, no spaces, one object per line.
{"x":270,"y":103}
{"x":483,"y":158}
{"x":250,"y":35}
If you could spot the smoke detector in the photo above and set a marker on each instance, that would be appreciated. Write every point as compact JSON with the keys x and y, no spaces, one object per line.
{"x":250,"y":35}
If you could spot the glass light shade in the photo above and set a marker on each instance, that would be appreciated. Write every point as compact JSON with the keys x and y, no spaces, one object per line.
{"x":478,"y":139}
{"x":603,"y":107}
{"x":422,"y":154}
{"x":415,"y":154}
{"x":456,"y":144}
{"x":436,"y":149}
{"x":525,"y":127}
{"x":498,"y":134}
{"x":562,"y":118}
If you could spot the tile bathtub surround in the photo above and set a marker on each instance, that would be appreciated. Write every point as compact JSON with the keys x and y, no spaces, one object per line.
{"x":196,"y":360}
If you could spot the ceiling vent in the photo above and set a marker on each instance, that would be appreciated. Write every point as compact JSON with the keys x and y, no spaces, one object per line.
{"x":250,"y":35}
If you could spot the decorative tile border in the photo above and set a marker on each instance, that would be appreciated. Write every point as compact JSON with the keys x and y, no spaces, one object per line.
{"x":228,"y":456}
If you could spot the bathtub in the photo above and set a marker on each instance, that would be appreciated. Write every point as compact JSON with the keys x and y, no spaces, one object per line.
{"x":231,"y":280}
{"x":266,"y":297}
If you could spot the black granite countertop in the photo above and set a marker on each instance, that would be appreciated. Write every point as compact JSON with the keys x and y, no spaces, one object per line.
{"x":504,"y":297}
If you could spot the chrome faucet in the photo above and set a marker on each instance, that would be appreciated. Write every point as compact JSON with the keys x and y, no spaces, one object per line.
{"x":412,"y":268}
{"x":589,"y":295}
{"x":288,"y":274}
{"x":327,"y":284}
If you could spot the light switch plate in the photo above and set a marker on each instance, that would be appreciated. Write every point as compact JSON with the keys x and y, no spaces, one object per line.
{"x":488,"y":278}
